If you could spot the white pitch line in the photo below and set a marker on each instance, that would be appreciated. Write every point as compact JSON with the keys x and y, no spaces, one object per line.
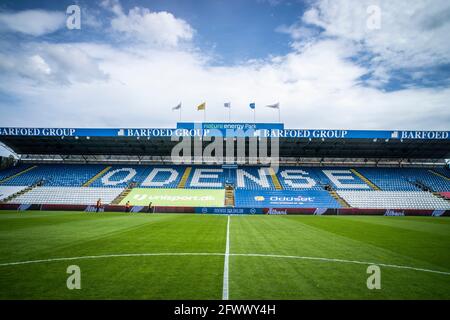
{"x":119,"y":255}
{"x":168,"y":254}
{"x":225,"y":263}
{"x":339,"y":260}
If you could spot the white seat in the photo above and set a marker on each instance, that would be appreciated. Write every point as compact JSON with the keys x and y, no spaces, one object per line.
{"x":394,"y":200}
{"x":68,"y":195}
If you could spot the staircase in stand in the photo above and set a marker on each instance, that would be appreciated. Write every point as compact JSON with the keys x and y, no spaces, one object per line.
{"x":437,"y":194}
{"x":229,"y":196}
{"x":98,"y":175}
{"x":424,"y":187}
{"x":336,"y":196}
{"x":184,"y":178}
{"x":439,"y":174}
{"x":21,"y":192}
{"x":275,"y":180}
{"x":366,"y":180}
{"x":123,"y":194}
{"x":17,"y":174}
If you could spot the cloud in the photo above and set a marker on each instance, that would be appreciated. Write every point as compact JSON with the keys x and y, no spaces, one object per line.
{"x":317,"y":88}
{"x":156,"y":28}
{"x":410,"y":33}
{"x":318,"y":84}
{"x":90,"y":18}
{"x":55,"y":64}
{"x":298,"y":32}
{"x":32,"y":22}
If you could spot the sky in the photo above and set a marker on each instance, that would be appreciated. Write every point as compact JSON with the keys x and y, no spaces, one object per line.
{"x":362,"y":64}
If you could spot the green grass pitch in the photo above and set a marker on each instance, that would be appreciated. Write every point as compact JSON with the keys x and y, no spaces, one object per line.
{"x":108,"y":246}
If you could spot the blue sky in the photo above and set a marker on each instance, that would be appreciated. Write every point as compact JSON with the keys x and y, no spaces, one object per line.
{"x":362,"y":64}
{"x":234,"y":30}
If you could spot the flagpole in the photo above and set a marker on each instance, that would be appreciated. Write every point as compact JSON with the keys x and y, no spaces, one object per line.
{"x":254,"y":115}
{"x":279,"y":114}
{"x":229,"y":114}
{"x":180,"y":114}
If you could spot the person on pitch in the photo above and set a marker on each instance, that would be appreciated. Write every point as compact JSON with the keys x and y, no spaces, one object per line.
{"x":98,"y":205}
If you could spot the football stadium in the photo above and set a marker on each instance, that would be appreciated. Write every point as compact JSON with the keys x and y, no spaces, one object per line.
{"x":204,"y":159}
{"x":143,"y":224}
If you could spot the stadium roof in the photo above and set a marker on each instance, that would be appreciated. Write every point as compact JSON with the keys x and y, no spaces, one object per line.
{"x":293,"y":142}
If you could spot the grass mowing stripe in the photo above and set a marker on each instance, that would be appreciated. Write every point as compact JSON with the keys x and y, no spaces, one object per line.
{"x":180,"y":256}
{"x":155,"y":277}
{"x":416,"y":246}
{"x":310,"y":236}
{"x":428,"y":225}
{"x":342,"y":261}
{"x":119,"y":255}
{"x":47,"y":238}
{"x":225,"y":263}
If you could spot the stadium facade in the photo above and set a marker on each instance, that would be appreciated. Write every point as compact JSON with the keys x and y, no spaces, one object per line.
{"x":315,"y":171}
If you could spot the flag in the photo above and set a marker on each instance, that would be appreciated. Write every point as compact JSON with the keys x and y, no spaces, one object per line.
{"x":201,"y":106}
{"x":227,"y":104}
{"x":178,"y":107}
{"x":274,"y":106}
{"x":252,"y":105}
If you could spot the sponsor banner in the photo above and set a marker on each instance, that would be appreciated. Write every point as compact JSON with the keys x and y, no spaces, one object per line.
{"x":445,"y":195}
{"x":268,"y":130}
{"x":299,"y":211}
{"x":438,"y":213}
{"x":9,"y":206}
{"x":230,"y":126}
{"x":176,"y":210}
{"x":61,"y":207}
{"x":275,"y":211}
{"x":222,"y":210}
{"x":393,"y":212}
{"x":206,"y":210}
{"x":176,"y":197}
{"x":284,"y":199}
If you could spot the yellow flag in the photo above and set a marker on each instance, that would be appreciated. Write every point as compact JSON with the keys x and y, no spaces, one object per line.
{"x":201,"y":106}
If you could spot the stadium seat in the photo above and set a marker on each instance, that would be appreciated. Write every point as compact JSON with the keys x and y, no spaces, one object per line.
{"x":6,"y":191}
{"x":393,"y":200}
{"x":68,"y":175}
{"x":62,"y":183}
{"x":68,"y":195}
{"x":403,"y":179}
{"x":12,"y":171}
{"x":142,"y":176}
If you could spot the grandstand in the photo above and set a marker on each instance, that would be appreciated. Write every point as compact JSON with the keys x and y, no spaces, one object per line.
{"x":80,"y":166}
{"x":188,"y":249}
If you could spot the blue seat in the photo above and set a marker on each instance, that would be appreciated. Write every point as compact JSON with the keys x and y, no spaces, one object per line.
{"x":59,"y":175}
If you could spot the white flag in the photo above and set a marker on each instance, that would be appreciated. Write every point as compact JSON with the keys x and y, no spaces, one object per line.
{"x":227,"y":104}
{"x":178,"y":107}
{"x":274,"y":106}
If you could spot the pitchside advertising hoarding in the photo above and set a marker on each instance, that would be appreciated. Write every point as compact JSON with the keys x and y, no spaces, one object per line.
{"x":285,"y":199}
{"x":176,"y":197}
{"x":222,"y":210}
{"x":268,"y":130}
